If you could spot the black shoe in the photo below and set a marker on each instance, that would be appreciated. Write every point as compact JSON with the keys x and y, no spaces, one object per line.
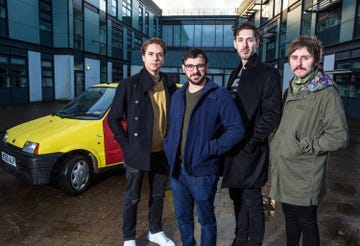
{"x":238,"y":242}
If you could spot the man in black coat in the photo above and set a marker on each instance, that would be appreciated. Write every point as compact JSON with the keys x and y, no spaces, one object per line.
{"x":143,"y":100}
{"x":256,"y":88}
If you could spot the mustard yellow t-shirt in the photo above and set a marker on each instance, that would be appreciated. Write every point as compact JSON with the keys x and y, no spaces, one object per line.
{"x":158,"y":101}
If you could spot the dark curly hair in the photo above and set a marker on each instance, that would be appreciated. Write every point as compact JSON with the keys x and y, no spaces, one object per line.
{"x":247,"y":26}
{"x":194,"y":53}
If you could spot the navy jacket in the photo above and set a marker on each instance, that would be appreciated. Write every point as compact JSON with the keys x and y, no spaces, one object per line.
{"x":132,"y":103}
{"x":259,"y":102}
{"x":215,"y":126}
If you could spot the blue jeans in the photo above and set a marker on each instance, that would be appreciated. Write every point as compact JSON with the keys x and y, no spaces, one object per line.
{"x":157,"y":185}
{"x":189,"y":189}
{"x":249,"y":215}
{"x":301,"y":220}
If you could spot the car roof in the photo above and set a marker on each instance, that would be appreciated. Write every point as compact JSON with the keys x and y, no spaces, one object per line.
{"x":110,"y":85}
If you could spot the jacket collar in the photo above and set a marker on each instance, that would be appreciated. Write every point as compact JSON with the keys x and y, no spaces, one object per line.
{"x":147,"y":80}
{"x":252,"y":62}
{"x":320,"y":81}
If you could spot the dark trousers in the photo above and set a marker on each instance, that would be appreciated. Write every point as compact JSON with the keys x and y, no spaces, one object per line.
{"x":201,"y":190}
{"x":301,"y":219}
{"x":157,"y":185}
{"x":249,"y":216}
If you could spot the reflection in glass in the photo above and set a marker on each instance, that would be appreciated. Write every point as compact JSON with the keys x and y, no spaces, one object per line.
{"x":208,"y":37}
{"x":91,"y":104}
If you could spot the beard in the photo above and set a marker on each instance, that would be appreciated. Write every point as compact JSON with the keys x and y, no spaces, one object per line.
{"x":245,"y":57}
{"x":246,"y":54}
{"x":198,"y":81}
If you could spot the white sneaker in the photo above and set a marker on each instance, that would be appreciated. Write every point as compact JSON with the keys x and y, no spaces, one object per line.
{"x":130,"y":243}
{"x":160,"y":238}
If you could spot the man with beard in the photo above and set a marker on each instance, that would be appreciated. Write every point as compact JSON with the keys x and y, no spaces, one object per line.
{"x":256,"y":88}
{"x":143,"y":100}
{"x":313,"y":123}
{"x":204,"y":124}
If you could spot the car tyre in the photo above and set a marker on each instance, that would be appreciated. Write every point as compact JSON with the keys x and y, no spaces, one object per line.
{"x":76,"y":174}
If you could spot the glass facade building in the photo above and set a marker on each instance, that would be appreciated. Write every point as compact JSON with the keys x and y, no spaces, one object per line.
{"x":214,"y":35}
{"x":53,"y":50}
{"x":335,"y":23}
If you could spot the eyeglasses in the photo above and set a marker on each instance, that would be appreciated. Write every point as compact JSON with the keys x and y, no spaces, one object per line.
{"x":191,"y":67}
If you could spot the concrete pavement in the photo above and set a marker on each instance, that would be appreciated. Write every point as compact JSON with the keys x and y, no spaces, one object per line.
{"x":43,"y":215}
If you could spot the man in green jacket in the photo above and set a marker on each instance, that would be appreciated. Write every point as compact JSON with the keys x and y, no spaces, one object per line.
{"x":313,"y":123}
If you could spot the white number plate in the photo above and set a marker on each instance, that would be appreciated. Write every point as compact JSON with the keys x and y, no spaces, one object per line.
{"x":8,"y":159}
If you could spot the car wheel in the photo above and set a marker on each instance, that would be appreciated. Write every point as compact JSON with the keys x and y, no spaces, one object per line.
{"x":76,"y":174}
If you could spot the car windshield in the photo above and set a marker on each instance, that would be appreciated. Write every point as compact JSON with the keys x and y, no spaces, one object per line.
{"x":91,"y":104}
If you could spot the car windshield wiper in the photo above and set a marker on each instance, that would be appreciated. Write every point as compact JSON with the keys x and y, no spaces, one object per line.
{"x":78,"y":114}
{"x":63,"y":114}
{"x":87,"y":114}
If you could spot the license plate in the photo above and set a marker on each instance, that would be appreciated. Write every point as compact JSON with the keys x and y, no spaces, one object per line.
{"x":8,"y":159}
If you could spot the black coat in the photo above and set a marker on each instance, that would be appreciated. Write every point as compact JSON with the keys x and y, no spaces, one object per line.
{"x":132,"y":103}
{"x":259,"y":100}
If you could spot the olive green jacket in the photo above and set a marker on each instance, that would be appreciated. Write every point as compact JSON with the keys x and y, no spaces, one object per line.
{"x":313,"y":123}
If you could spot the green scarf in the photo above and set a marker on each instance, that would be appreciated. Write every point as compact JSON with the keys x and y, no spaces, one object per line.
{"x":298,"y":84}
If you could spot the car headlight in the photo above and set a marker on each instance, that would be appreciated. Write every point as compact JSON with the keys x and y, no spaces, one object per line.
{"x":31,"y":147}
{"x":5,"y":138}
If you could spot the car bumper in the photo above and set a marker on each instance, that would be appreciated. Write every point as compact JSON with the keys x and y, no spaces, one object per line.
{"x":33,"y":169}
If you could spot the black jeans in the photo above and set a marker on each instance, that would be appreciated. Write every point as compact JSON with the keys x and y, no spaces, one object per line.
{"x":301,"y":219}
{"x":249,"y":216}
{"x":157,"y":186}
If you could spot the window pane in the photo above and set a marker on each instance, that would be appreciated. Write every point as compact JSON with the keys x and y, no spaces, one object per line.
{"x":113,"y":7}
{"x":141,"y":20}
{"x":187,"y":36}
{"x":228,"y":36}
{"x":19,"y":61}
{"x":306,"y":23}
{"x":46,"y":64}
{"x":147,"y":23}
{"x":3,"y":59}
{"x":116,"y":42}
{"x":197,"y":39}
{"x":167,"y":35}
{"x":343,"y":84}
{"x":277,"y":7}
{"x":355,"y":85}
{"x":126,"y":11}
{"x":103,"y":38}
{"x":176,"y":36}
{"x":78,"y":29}
{"x":102,"y":4}
{"x":219,"y":33}
{"x":208,"y":39}
{"x":3,"y":76}
{"x":328,"y":26}
{"x":45,"y":16}
{"x":357,"y":22}
{"x":46,"y":73}
{"x":2,"y":12}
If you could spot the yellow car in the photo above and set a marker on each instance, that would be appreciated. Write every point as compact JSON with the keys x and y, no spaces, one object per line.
{"x":65,"y":148}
